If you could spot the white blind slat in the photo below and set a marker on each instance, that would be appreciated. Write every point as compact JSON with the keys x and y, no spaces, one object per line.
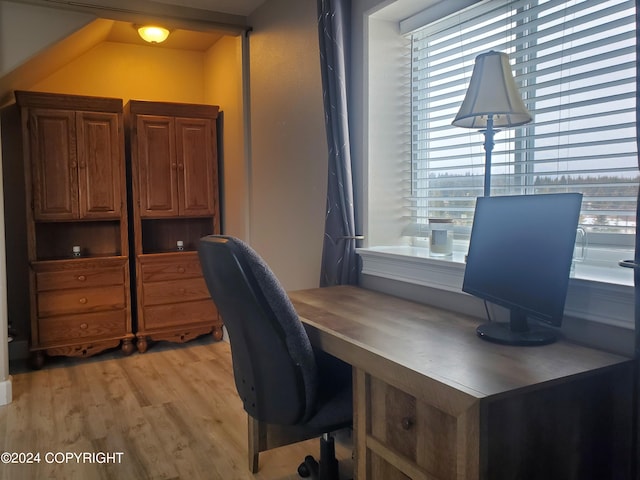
{"x":575,"y":64}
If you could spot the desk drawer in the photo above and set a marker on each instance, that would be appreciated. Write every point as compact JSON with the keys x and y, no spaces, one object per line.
{"x":403,"y":427}
{"x":82,"y":327}
{"x":173,"y":291}
{"x":81,"y":300}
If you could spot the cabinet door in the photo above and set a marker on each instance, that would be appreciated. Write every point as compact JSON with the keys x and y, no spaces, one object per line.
{"x":157,"y":166}
{"x":99,"y":164}
{"x":53,"y":164}
{"x":197,"y":165}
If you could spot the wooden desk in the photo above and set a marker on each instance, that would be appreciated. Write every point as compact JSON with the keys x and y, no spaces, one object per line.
{"x":433,"y":401}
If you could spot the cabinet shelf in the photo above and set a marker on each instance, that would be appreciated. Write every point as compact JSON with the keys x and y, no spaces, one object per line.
{"x":79,"y":260}
{"x":161,"y":235}
{"x":55,"y":240}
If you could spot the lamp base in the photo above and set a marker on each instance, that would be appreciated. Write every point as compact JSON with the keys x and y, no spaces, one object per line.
{"x":501,"y":333}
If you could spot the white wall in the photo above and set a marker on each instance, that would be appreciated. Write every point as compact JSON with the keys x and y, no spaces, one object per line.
{"x":359,"y":107}
{"x":26,"y":30}
{"x":387,"y":143}
{"x":224,"y":71}
{"x":288,"y":141}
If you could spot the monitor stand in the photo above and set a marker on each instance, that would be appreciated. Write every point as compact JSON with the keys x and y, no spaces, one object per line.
{"x":516,"y":332}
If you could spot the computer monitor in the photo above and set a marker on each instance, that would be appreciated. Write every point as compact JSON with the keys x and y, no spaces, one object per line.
{"x":519,"y":257}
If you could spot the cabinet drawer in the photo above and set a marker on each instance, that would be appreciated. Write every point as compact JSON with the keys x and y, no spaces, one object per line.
{"x":91,"y":325}
{"x":172,"y":291}
{"x":91,"y":277}
{"x":80,"y":300}
{"x":171,"y":270}
{"x":161,"y":316}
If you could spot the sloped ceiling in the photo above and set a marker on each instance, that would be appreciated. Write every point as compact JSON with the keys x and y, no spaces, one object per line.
{"x":52,"y":58}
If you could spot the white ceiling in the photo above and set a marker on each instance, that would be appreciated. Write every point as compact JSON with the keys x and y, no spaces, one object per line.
{"x":234,"y":7}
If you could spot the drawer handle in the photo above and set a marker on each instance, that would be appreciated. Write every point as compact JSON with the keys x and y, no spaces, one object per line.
{"x":83,"y":300}
{"x":84,"y":326}
{"x":81,"y":278}
{"x":181,"y":270}
{"x":407,"y":423}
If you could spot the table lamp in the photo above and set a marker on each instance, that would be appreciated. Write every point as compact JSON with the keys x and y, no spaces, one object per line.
{"x":492,"y":100}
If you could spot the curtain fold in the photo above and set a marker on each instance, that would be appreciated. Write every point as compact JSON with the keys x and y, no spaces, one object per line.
{"x":339,"y":262}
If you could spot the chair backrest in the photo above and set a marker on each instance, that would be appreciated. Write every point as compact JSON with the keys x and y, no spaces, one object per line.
{"x":273,"y":362}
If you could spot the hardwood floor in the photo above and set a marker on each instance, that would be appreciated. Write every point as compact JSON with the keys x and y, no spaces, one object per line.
{"x":172,"y":412}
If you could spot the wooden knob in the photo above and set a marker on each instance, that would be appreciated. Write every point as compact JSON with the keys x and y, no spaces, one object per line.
{"x":84,"y":326}
{"x":181,"y":270}
{"x":83,"y":300}
{"x":407,"y":423}
{"x":81,"y":278}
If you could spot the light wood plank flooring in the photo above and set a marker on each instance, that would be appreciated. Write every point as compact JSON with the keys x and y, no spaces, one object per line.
{"x":173,"y":412}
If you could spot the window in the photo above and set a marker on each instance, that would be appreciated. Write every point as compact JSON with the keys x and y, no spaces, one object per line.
{"x":574,"y":62}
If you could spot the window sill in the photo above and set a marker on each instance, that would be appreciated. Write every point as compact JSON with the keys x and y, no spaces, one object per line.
{"x":599,"y":291}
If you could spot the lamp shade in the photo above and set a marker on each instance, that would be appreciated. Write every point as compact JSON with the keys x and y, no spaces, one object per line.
{"x":492,"y":91}
{"x":153,"y":34}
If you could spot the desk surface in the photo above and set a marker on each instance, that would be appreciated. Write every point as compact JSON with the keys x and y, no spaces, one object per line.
{"x":414,"y":341}
{"x":432,"y":400}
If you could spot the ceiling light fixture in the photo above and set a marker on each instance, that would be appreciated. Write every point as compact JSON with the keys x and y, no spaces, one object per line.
{"x":153,"y":33}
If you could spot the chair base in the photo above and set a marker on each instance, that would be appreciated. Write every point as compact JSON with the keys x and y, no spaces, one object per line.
{"x":327,"y":469}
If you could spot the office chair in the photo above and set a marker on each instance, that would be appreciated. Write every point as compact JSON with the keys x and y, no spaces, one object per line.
{"x":280,"y":378}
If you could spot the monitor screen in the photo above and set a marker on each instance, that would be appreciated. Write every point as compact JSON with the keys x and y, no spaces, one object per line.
{"x":519,"y":257}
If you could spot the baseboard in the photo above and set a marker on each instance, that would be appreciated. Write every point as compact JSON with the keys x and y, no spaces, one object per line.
{"x":5,"y":392}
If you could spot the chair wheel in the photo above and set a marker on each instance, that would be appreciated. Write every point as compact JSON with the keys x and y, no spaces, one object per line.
{"x":309,"y":467}
{"x":303,"y":470}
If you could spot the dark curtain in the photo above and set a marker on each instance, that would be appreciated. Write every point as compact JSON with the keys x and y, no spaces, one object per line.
{"x":339,"y":262}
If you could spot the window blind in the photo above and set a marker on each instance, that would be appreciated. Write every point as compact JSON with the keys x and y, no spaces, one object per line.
{"x":574,"y":62}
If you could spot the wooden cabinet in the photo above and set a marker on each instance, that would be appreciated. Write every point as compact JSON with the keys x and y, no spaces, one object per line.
{"x":75,"y":160}
{"x":173,"y":157}
{"x":69,"y":152}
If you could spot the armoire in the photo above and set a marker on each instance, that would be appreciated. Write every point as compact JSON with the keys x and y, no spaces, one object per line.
{"x":104,"y":206}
